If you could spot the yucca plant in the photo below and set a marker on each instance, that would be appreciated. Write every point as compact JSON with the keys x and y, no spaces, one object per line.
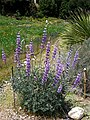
{"x":79,"y":27}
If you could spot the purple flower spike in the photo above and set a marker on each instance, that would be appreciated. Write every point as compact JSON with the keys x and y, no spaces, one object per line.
{"x":77,"y":81}
{"x":59,"y":88}
{"x":68,"y":62}
{"x":28,"y":64}
{"x":45,"y":75}
{"x":75,"y":59}
{"x":18,"y":43}
{"x":47,"y":52}
{"x":48,"y":49}
{"x":68,"y":59}
{"x":42,"y":46}
{"x":44,"y":38}
{"x":17,"y":59}
{"x":31,"y":48}
{"x":59,"y":71}
{"x":17,"y":51}
{"x":3,"y":56}
{"x":15,"y":56}
{"x":44,"y":35}
{"x":19,"y":63}
{"x":54,"y":52}
{"x":18,"y":38}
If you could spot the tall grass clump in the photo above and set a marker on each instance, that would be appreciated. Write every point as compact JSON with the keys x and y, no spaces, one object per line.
{"x":43,"y":82}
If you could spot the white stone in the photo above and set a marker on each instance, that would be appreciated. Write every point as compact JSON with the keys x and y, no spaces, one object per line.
{"x":76,"y":113}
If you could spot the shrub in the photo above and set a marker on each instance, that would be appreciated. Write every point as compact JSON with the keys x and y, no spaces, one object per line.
{"x":84,"y":61}
{"x":37,"y":98}
{"x":42,"y":87}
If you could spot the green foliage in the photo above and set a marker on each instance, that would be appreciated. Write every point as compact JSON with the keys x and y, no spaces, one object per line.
{"x":10,"y":7}
{"x":72,"y":5}
{"x":63,"y":12}
{"x":54,"y":8}
{"x":79,"y":29}
{"x":49,"y":7}
{"x":36,"y":97}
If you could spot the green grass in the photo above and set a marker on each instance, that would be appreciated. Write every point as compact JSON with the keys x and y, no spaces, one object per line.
{"x":29,"y":28}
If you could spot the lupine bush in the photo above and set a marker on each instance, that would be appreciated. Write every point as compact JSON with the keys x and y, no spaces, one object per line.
{"x":42,"y":90}
{"x":41,"y":98}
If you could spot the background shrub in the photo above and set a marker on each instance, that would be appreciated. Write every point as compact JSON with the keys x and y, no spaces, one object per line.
{"x":84,"y":62}
{"x":50,"y":8}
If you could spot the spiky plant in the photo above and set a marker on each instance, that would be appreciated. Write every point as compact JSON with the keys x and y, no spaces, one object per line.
{"x":79,"y":27}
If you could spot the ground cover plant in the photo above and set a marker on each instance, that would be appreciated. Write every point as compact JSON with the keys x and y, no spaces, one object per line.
{"x":29,"y":29}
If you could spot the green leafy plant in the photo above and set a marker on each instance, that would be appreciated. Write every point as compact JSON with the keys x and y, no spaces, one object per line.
{"x":37,"y":98}
{"x":42,"y":87}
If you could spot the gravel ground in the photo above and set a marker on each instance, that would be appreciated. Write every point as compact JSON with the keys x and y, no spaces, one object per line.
{"x":9,"y":114}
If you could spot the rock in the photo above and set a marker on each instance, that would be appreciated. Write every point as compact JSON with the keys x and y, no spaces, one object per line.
{"x":76,"y":113}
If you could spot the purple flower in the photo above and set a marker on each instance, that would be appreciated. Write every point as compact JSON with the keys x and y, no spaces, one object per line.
{"x":42,"y":46}
{"x":19,"y":63}
{"x":59,"y":88}
{"x":59,"y":71}
{"x":77,"y":81}
{"x":28,"y":64}
{"x":35,"y":78}
{"x":31,"y":48}
{"x":44,"y":38}
{"x":18,"y":38}
{"x":68,"y":59}
{"x":17,"y":59}
{"x":75,"y":59}
{"x":47,"y":52}
{"x":3,"y":56}
{"x":16,"y":55}
{"x":46,"y":70}
{"x":44,"y":35}
{"x":17,"y":51}
{"x":54,"y":52}
{"x":18,"y":43}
